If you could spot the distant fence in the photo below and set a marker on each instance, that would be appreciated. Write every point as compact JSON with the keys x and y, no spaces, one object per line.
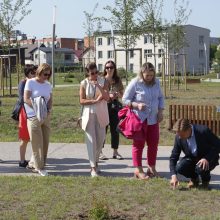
{"x":196,"y":114}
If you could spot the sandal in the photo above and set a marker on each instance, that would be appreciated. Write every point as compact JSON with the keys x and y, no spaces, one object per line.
{"x":118,"y":157}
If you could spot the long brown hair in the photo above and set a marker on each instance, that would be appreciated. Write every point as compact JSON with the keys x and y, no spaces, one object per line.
{"x":115,"y":76}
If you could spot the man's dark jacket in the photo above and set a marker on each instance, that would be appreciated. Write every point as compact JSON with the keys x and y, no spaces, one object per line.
{"x":208,"y":147}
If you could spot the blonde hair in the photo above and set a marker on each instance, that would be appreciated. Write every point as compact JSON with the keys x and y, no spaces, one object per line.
{"x":181,"y":125}
{"x":42,"y":68}
{"x":147,"y":67}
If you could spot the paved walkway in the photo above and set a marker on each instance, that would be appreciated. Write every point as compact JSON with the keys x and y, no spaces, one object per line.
{"x":71,"y":159}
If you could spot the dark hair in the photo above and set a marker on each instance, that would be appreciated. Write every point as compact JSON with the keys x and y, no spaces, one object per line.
{"x":115,"y":76}
{"x":181,"y":125}
{"x":90,"y":66}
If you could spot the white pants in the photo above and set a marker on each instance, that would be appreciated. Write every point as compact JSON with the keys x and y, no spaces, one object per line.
{"x":95,"y":136}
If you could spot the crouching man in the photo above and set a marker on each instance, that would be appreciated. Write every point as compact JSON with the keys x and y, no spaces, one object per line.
{"x":201,"y":148}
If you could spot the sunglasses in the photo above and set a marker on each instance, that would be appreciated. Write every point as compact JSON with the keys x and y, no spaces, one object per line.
{"x":93,"y":73}
{"x":109,"y":67}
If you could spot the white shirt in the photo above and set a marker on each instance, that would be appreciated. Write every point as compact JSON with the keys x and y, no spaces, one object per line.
{"x":37,"y":89}
{"x":191,"y":141}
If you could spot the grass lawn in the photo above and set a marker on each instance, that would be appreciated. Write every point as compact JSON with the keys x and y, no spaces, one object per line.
{"x":66,"y":110}
{"x":113,"y":198}
{"x":57,"y":197}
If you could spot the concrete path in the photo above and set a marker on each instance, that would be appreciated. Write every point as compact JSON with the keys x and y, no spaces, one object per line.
{"x":71,"y":159}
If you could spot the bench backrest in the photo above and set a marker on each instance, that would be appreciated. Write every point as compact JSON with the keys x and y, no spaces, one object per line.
{"x":196,"y":114}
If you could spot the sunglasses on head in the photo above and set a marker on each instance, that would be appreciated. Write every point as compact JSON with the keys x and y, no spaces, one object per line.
{"x":109,"y":67}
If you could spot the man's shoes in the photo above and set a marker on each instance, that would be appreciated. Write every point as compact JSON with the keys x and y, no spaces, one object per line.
{"x":23,"y":164}
{"x":193,"y":183}
{"x":102,"y":157}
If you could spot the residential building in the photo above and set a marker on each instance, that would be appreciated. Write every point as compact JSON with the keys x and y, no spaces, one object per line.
{"x":63,"y":56}
{"x":196,"y":50}
{"x":88,"y":56}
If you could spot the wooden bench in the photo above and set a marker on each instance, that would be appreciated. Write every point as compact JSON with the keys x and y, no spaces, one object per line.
{"x":196,"y":114}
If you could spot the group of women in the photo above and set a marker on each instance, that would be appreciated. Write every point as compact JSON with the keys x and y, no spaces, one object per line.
{"x":99,"y":96}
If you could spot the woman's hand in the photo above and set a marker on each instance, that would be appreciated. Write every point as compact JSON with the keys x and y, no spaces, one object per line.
{"x":160,"y":115}
{"x":141,"y":106}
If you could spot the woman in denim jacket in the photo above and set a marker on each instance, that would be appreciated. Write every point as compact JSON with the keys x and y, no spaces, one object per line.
{"x":144,"y":95}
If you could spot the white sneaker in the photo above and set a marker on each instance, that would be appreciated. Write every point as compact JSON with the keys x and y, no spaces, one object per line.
{"x":43,"y":172}
{"x":94,"y":173}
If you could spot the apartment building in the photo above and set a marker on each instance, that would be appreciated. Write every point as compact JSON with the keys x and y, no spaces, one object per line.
{"x":196,"y":50}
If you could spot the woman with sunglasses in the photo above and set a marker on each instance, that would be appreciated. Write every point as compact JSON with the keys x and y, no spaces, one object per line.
{"x":39,"y":130}
{"x":145,"y":97}
{"x":93,"y":98}
{"x":23,"y":134}
{"x":116,"y":90}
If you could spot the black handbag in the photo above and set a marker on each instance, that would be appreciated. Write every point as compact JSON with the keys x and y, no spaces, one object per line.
{"x":16,"y":110}
{"x":115,"y":105}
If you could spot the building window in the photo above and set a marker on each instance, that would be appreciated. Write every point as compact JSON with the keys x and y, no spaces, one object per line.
{"x":109,"y":41}
{"x":131,"y":53}
{"x":100,"y":67}
{"x":201,"y":39}
{"x":36,"y":56}
{"x":100,"y":55}
{"x":131,"y":67}
{"x":148,"y":53}
{"x":160,"y":52}
{"x":99,"y":41}
{"x":201,"y":54}
{"x":148,"y":39}
{"x":67,"y":57}
{"x":110,"y":54}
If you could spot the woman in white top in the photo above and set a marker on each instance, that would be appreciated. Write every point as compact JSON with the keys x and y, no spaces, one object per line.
{"x":39,"y":130}
{"x":93,"y":97}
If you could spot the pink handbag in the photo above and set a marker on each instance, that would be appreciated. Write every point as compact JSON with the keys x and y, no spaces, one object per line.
{"x":130,"y":125}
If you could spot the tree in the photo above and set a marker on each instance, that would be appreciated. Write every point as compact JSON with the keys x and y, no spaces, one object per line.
{"x":89,"y":26}
{"x":151,"y":21}
{"x":213,"y":49}
{"x":12,"y":13}
{"x":123,"y":21}
{"x":217,"y":57}
{"x":176,"y":31}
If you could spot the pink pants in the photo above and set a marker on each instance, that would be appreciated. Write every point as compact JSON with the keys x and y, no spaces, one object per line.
{"x":152,"y":140}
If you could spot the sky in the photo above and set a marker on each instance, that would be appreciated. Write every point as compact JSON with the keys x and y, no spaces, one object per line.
{"x":70,"y":16}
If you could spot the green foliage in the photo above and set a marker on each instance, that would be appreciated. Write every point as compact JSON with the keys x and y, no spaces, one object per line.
{"x":217,"y":56}
{"x":213,"y":49}
{"x":121,"y":72}
{"x":99,"y":209}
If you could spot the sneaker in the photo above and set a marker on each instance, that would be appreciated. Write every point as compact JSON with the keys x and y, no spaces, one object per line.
{"x":102,"y":157}
{"x":43,"y":172}
{"x":23,"y":164}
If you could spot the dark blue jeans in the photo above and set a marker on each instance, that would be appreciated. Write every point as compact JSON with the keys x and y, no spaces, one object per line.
{"x":188,"y":168}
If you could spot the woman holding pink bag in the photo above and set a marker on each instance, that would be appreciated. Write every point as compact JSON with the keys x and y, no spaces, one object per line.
{"x":144,"y":96}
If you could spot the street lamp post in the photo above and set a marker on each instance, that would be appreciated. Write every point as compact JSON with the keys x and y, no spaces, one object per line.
{"x":53,"y":39}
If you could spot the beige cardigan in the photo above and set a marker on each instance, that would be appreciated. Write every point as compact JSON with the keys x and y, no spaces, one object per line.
{"x":101,"y":108}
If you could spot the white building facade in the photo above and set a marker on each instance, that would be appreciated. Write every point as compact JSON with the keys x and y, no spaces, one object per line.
{"x":196,"y":50}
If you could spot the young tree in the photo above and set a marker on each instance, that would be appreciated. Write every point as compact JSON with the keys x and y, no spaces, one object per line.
{"x":177,"y":38}
{"x":213,"y":49}
{"x":151,"y":21}
{"x":89,"y":26}
{"x":12,"y":13}
{"x":123,"y":20}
